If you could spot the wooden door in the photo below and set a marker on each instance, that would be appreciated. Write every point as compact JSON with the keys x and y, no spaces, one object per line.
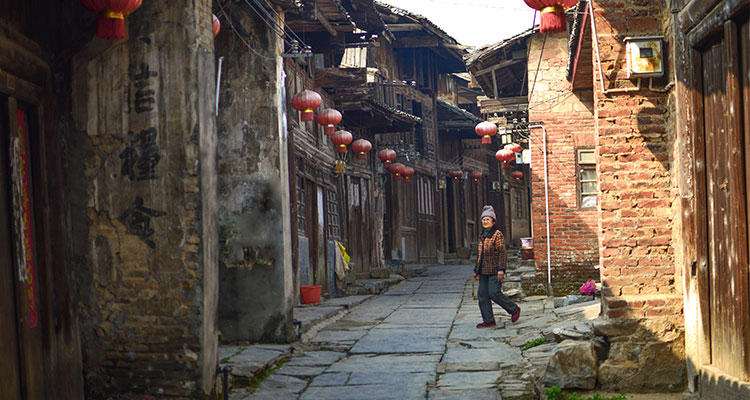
{"x":427,"y":226}
{"x":409,"y":217}
{"x":359,"y":227}
{"x":721,"y":65}
{"x":450,"y":216}
{"x":321,"y":272}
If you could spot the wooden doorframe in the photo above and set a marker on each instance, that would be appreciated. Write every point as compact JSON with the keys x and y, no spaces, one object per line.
{"x":695,"y":22}
{"x":22,"y":95}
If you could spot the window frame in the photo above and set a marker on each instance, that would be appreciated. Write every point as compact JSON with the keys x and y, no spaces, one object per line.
{"x":580,"y":166}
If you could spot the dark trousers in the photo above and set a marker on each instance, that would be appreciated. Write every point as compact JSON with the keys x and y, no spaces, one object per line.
{"x":489,"y":289}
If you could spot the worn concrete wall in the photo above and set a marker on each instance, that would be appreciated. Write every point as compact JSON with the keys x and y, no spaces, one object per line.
{"x":141,"y":184}
{"x":255,"y":257}
{"x":569,"y":120}
{"x":642,"y":296}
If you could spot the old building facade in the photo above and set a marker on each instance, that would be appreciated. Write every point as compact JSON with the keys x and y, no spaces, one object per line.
{"x":670,"y":215}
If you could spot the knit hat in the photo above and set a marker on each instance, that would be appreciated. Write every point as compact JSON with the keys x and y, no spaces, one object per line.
{"x":488,"y":211}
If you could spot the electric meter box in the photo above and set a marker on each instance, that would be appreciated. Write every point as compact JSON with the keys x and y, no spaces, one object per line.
{"x":645,"y":56}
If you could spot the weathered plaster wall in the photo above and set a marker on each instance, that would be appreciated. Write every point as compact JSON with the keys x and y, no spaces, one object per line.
{"x":255,"y":262}
{"x":641,"y":294}
{"x":141,"y":185}
{"x":568,"y":118}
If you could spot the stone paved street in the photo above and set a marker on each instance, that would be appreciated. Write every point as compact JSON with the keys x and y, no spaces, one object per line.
{"x":419,"y":341}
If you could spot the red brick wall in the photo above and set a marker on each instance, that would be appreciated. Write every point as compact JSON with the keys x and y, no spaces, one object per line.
{"x":637,"y":201}
{"x":569,"y":120}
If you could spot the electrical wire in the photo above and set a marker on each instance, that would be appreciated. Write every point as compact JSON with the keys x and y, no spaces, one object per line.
{"x":539,"y":64}
{"x":283,"y":20}
{"x":274,"y":27}
{"x":239,"y":35}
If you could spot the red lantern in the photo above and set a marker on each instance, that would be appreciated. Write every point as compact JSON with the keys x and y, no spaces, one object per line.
{"x":397,"y":170}
{"x":553,"y":14}
{"x":329,"y":118}
{"x":112,"y":13}
{"x":341,"y":139}
{"x":386,"y":156}
{"x":361,"y":146}
{"x":517,"y":175}
{"x":456,"y":175}
{"x":475,"y":177}
{"x":505,"y":156}
{"x":306,"y":101}
{"x":514,"y":147}
{"x":408,"y":173}
{"x":486,"y":129}
{"x":217,"y":24}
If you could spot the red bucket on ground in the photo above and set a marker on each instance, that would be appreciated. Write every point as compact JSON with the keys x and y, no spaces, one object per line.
{"x":310,"y":294}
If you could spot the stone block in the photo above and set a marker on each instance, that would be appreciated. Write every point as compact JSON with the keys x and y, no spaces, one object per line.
{"x":572,"y":365}
{"x":380,"y":273}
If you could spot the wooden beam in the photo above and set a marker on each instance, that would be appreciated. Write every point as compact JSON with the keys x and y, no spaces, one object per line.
{"x":502,"y":104}
{"x":501,"y":64}
{"x":494,"y":85}
{"x":410,"y":42}
{"x":340,"y":77}
{"x":404,"y":27}
{"x":326,"y":24}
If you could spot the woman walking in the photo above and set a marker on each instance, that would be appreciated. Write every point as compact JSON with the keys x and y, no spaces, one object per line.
{"x":490,"y":269}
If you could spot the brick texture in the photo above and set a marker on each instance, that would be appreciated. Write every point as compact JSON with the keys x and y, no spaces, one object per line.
{"x":637,"y":209}
{"x":569,"y":121}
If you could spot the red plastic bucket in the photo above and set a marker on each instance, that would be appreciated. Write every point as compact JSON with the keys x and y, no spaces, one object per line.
{"x":310,"y":294}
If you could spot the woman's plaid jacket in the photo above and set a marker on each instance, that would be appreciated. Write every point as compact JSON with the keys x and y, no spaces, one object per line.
{"x":491,"y":255}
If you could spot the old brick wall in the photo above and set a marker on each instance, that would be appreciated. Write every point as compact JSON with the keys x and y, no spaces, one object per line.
{"x":568,"y":119}
{"x":642,"y":292}
{"x":141,"y":185}
{"x":256,"y":286}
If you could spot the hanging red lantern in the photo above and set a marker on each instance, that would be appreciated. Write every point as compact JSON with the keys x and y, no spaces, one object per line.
{"x":112,"y":13}
{"x":486,"y":130}
{"x":361,"y":146}
{"x":475,"y":177}
{"x":306,"y":101}
{"x":517,"y":175}
{"x":341,"y":139}
{"x":397,"y":170}
{"x":408,"y":173}
{"x":456,"y":175}
{"x":386,"y":156}
{"x":505,"y":156}
{"x":216,"y":23}
{"x":328,"y":118}
{"x":553,"y":14}
{"x":514,"y":147}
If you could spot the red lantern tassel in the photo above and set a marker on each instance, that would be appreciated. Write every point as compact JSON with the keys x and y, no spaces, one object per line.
{"x":110,"y":25}
{"x":553,"y":20}
{"x":341,"y":148}
{"x":361,"y":156}
{"x":486,"y":139}
{"x":308,"y":115}
{"x":329,"y":130}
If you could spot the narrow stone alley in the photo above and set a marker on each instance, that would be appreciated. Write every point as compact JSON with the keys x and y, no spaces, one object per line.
{"x":418,"y":340}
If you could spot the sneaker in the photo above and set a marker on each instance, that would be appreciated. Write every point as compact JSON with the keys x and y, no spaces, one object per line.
{"x":486,"y":324}
{"x":516,"y":315}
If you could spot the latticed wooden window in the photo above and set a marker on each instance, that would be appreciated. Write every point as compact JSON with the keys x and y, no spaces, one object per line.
{"x":332,"y":215}
{"x":301,"y":204}
{"x":586,"y":162}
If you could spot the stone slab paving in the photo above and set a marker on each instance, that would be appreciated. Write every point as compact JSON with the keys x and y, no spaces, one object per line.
{"x":419,"y":341}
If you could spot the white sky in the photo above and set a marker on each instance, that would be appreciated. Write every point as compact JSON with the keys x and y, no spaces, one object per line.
{"x":473,"y":22}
